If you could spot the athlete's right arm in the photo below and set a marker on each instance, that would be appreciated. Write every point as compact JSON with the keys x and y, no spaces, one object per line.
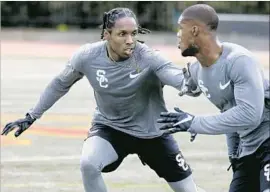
{"x":172,"y":75}
{"x":60,"y":85}
{"x":57,"y":88}
{"x":164,"y":69}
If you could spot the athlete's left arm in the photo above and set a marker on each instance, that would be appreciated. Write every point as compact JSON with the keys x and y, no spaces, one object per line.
{"x":166,"y":71}
{"x":249,"y":96}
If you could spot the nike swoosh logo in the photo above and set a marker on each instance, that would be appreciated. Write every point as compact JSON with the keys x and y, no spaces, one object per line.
{"x":132,"y":76}
{"x":188,"y":118}
{"x":225,"y":85}
{"x":94,"y":131}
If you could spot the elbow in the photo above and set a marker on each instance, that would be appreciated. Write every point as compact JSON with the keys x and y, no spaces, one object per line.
{"x":251,"y":116}
{"x":252,"y":111}
{"x":60,"y":86}
{"x":255,"y":119}
{"x":255,"y":122}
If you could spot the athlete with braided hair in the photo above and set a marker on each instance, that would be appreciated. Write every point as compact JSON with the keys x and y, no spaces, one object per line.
{"x":127,"y":78}
{"x":109,"y":20}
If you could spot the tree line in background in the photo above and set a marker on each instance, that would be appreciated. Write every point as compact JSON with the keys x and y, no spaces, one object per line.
{"x":155,"y":15}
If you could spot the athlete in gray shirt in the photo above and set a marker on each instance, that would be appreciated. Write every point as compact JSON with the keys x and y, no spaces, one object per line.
{"x":230,"y":77}
{"x":127,"y":78}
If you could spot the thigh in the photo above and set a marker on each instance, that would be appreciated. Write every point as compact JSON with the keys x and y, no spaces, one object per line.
{"x":264,"y":158}
{"x":98,"y":152}
{"x":104,"y":144}
{"x":164,"y":157}
{"x":245,"y":175}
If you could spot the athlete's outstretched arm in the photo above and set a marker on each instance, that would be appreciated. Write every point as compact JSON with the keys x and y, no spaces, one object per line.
{"x":249,"y":96}
{"x":57,"y":88}
{"x":168,"y":73}
{"x":60,"y":85}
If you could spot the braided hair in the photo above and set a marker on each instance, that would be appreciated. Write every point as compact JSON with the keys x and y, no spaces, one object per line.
{"x":109,"y":19}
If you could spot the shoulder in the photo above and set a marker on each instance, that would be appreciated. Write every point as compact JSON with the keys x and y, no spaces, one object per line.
{"x":240,"y":61}
{"x":90,"y":50}
{"x":143,"y":51}
{"x":85,"y":53}
{"x":235,"y":53}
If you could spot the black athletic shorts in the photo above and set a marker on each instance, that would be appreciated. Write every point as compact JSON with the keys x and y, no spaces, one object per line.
{"x":161,"y":153}
{"x":251,"y":173}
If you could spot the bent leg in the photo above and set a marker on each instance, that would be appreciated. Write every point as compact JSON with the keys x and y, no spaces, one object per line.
{"x":245,"y":175}
{"x":185,"y":185}
{"x":96,"y":154}
{"x":264,"y":159}
{"x":164,"y":157}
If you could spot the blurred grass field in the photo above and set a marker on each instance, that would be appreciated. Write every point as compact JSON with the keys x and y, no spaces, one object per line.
{"x":46,"y":157}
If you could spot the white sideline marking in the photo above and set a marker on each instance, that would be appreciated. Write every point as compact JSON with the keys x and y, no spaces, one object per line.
{"x":190,"y":155}
{"x":39,"y":159}
{"x":78,"y":184}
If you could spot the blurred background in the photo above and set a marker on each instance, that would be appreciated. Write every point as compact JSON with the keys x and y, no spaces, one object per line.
{"x":156,"y":15}
{"x":37,"y":39}
{"x":79,"y":21}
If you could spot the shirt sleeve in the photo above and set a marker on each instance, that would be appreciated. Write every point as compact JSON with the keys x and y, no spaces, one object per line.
{"x":60,"y":85}
{"x":233,"y":141}
{"x":249,"y":96}
{"x":166,"y":71}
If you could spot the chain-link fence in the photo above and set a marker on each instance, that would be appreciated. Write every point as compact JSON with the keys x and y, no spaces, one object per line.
{"x":156,"y":15}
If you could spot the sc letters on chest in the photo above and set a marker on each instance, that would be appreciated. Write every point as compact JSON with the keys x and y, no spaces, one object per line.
{"x":216,"y":89}
{"x":111,"y":81}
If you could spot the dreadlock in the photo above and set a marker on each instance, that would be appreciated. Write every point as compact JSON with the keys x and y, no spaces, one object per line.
{"x":109,"y":19}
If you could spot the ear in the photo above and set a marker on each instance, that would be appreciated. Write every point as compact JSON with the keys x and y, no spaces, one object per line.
{"x":107,"y":35}
{"x":195,"y":30}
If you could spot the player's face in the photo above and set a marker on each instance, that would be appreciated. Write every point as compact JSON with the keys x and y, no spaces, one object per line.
{"x":187,"y":38}
{"x":123,"y":36}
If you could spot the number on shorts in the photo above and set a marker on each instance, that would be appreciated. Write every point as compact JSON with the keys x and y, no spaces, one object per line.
{"x":181,"y":162}
{"x":267,"y":171}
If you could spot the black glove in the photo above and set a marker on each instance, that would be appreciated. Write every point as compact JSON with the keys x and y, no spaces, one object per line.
{"x":22,"y":125}
{"x":175,"y":122}
{"x":189,"y":88}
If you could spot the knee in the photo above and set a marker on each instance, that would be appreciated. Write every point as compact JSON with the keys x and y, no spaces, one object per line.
{"x":185,"y":185}
{"x":89,"y":166}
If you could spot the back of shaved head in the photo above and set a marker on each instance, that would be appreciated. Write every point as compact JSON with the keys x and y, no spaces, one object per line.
{"x":202,"y":13}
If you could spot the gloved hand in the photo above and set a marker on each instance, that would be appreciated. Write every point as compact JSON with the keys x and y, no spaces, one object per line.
{"x":22,"y":125}
{"x":189,"y":88}
{"x":176,"y":122}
